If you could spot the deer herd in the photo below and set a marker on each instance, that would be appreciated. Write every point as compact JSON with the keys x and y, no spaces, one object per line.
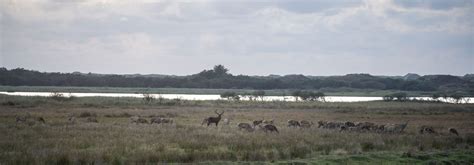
{"x":267,"y":126}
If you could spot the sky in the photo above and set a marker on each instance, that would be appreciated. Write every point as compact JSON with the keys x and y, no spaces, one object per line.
{"x":251,"y":37}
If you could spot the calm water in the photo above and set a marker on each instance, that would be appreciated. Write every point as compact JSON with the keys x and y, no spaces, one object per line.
{"x":212,"y":97}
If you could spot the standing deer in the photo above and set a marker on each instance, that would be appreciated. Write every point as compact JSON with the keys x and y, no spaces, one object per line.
{"x":215,"y":120}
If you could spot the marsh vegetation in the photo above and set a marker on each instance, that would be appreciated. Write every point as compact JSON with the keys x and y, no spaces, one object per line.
{"x":102,"y":131}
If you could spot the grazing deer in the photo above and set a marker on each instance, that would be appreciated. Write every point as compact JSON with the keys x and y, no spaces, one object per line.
{"x":245,"y":126}
{"x":41,"y":120}
{"x":215,"y":120}
{"x":305,"y":124}
{"x":138,"y":120}
{"x":453,"y":131}
{"x":269,"y":128}
{"x":427,"y":129}
{"x":71,"y":120}
{"x":349,"y":124}
{"x":268,"y":121}
{"x":293,"y":123}
{"x":167,"y":120}
{"x":92,"y":120}
{"x":257,"y":122}
{"x":322,"y":124}
{"x":21,"y":119}
{"x":395,"y":128}
{"x":156,"y":120}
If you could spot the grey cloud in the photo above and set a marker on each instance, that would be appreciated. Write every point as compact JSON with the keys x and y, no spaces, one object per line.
{"x":265,"y":37}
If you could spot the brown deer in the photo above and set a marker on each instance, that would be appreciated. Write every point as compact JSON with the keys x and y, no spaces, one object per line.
{"x":257,"y":122}
{"x":293,"y":123}
{"x":245,"y":126}
{"x":215,"y":120}
{"x":453,"y":131}
{"x":269,"y":128}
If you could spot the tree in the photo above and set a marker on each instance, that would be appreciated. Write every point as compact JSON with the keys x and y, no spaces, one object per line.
{"x":400,"y":96}
{"x":259,"y":94}
{"x":230,"y":96}
{"x":387,"y":98}
{"x":296,"y":94}
{"x":309,"y":95}
{"x":220,"y":70}
{"x":457,"y":97}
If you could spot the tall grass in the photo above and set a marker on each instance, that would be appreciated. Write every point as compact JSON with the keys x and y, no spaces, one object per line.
{"x":114,"y":140}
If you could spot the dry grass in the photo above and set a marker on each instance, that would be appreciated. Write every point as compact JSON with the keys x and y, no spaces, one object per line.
{"x":115,"y":140}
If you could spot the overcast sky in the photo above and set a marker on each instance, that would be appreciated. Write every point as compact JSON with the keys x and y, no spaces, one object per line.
{"x":253,"y":37}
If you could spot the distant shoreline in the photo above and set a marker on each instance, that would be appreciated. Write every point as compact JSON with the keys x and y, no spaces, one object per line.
{"x":204,"y":91}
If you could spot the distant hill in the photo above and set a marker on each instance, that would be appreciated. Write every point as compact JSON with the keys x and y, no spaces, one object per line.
{"x":218,"y":77}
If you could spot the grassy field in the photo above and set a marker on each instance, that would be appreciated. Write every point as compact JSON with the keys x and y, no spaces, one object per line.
{"x":114,"y":140}
{"x":277,"y":92}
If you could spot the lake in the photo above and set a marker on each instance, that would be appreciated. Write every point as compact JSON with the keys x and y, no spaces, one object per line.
{"x":216,"y":97}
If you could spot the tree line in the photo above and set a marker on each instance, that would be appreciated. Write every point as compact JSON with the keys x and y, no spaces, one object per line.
{"x":220,"y":78}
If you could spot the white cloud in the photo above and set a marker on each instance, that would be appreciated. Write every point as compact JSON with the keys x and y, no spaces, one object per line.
{"x":230,"y":31}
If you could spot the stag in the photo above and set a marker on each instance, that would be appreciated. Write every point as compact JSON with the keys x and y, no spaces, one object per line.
{"x":215,"y":120}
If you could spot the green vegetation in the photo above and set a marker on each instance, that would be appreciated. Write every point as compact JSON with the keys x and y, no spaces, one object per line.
{"x":220,"y":78}
{"x":244,"y":92}
{"x":308,"y":95}
{"x":114,"y":140}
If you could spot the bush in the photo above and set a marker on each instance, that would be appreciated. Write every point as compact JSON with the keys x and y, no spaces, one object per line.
{"x":309,"y":95}
{"x":401,"y":96}
{"x":148,"y":98}
{"x":230,"y":96}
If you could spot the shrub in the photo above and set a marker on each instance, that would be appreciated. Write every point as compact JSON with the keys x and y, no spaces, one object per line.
{"x":148,"y":98}
{"x":230,"y":96}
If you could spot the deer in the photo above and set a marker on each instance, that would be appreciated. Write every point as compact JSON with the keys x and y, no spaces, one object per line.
{"x":138,"y":120}
{"x":305,"y":124}
{"x":293,"y":123}
{"x":257,"y":122}
{"x":453,"y":131}
{"x":269,"y":128}
{"x":268,"y":121}
{"x":245,"y":126}
{"x":215,"y":120}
